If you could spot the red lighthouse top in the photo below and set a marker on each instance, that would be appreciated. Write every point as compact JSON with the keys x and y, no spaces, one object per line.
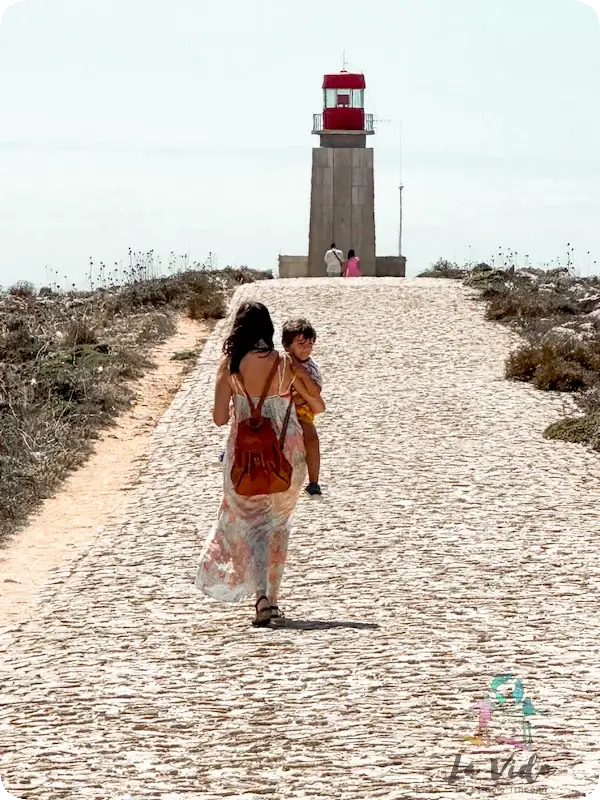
{"x":344,"y":80}
{"x":344,"y":102}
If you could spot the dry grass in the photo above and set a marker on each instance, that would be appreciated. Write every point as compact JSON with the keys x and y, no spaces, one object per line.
{"x":558,"y":316}
{"x":556,"y":366}
{"x":67,"y":362}
{"x":445,"y":269}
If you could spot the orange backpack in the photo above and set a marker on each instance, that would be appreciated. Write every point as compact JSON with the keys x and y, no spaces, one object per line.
{"x":259,"y":465}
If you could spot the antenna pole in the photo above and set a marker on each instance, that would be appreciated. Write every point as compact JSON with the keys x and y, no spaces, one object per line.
{"x":401,"y":188}
{"x":400,"y":229}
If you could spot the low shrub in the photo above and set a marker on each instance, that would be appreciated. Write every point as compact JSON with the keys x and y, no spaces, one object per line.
{"x":445,"y":269}
{"x":522,"y":303}
{"x":580,"y":430}
{"x":555,"y":367}
{"x":484,"y":274}
{"x":557,"y":315}
{"x":80,"y":332}
{"x":156,"y":327}
{"x":67,"y":363}
{"x":206,"y":306}
{"x":23,"y":290}
{"x":184,"y":355}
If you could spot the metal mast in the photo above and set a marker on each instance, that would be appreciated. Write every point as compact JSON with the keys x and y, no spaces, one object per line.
{"x":400,"y":231}
{"x":401,"y":187}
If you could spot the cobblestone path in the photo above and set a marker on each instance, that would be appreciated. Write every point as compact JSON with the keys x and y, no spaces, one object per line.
{"x":453,"y":543}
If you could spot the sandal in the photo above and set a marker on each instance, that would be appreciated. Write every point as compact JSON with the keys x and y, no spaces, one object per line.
{"x":276,"y":613}
{"x":263,"y":617}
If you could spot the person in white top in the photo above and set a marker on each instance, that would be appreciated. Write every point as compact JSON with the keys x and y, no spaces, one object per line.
{"x":334,"y":261}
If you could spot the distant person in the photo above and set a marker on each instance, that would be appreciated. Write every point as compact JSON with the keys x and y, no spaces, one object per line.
{"x":352,"y":266}
{"x":334,"y":261}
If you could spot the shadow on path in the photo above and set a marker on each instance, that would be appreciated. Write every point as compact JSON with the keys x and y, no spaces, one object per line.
{"x":318,"y":625}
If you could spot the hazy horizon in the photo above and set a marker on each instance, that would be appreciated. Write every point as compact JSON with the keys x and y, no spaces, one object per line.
{"x":185,"y":130}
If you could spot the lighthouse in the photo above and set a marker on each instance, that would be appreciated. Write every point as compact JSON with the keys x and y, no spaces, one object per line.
{"x":342,"y":198}
{"x":342,"y":195}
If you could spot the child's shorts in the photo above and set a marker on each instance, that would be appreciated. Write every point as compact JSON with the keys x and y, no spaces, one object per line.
{"x":305,"y":415}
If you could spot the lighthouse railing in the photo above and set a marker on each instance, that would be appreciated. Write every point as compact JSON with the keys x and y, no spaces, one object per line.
{"x":318,"y":123}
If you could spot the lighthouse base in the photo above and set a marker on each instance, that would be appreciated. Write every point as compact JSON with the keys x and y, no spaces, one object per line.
{"x":385,"y":266}
{"x":342,"y":206}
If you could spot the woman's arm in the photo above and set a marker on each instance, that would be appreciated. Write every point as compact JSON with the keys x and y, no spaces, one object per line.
{"x":223,"y":395}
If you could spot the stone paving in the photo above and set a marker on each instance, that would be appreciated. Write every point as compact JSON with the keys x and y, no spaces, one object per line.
{"x":453,"y":543}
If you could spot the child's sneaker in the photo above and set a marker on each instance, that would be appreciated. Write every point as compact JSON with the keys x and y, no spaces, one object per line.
{"x":313,"y":489}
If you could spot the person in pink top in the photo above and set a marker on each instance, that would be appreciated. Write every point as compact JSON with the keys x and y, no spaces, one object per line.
{"x":352,"y":266}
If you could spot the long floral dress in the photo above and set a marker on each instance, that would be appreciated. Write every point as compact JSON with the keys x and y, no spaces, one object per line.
{"x":246,"y":549}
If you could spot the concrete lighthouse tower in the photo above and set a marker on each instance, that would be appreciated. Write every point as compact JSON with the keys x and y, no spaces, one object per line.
{"x":342,"y":203}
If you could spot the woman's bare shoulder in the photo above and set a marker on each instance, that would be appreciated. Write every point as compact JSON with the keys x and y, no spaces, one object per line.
{"x":255,"y":358}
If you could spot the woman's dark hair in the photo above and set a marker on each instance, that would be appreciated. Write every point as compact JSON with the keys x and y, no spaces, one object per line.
{"x":351,"y":254}
{"x":297,"y":327}
{"x":252,"y":330}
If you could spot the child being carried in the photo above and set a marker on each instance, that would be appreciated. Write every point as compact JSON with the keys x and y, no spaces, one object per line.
{"x":298,"y":339}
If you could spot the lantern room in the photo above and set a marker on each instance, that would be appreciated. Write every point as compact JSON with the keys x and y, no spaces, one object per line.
{"x":344,"y":104}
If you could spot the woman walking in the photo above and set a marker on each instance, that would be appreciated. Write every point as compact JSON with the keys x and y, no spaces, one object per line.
{"x":246,"y":550}
{"x":352,"y":266}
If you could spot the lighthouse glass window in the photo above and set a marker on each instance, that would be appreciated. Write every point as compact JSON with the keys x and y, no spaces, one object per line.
{"x":357,"y":98}
{"x":344,"y":98}
{"x":330,"y":98}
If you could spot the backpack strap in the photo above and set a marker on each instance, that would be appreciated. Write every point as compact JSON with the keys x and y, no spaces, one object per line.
{"x":256,"y":410}
{"x":287,"y":359}
{"x":286,"y":420}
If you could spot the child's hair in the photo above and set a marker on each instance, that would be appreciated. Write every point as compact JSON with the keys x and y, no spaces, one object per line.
{"x":297,"y":327}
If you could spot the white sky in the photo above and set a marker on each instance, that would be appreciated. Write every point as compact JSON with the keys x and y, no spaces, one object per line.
{"x":176,"y":125}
